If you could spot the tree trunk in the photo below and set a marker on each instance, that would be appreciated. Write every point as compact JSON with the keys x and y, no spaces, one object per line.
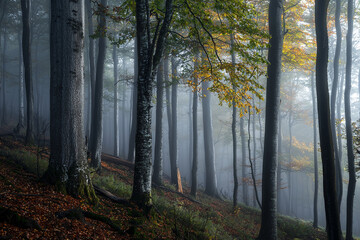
{"x":290,"y":160}
{"x":339,"y":109}
{"x":158,"y":161}
{"x":210,"y":174}
{"x":173,"y":141}
{"x":97,"y":118}
{"x":194,"y":131}
{"x":68,"y":165}
{"x":20,"y":124}
{"x":233,"y":130}
{"x":3,"y":119}
{"x":334,"y":89}
{"x":326,"y":143}
{"x":91,"y":50}
{"x":148,"y":59}
{"x":254,"y":156}
{"x":116,"y":122}
{"x":131,"y":152}
{"x":268,"y":228}
{"x":349,"y":136}
{"x":316,"y":170}
{"x":243,"y":161}
{"x":280,"y":158}
{"x":25,"y":8}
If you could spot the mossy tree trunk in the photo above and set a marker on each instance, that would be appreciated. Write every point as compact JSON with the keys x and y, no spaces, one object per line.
{"x":68,"y":168}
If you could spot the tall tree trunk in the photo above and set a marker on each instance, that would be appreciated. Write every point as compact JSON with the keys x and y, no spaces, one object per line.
{"x":334,"y":89}
{"x":168,"y":103}
{"x":194,"y":131}
{"x":25,"y":8}
{"x":349,"y":136}
{"x":158,"y":161}
{"x":190,"y":131}
{"x":148,"y":59}
{"x":173,"y":141}
{"x":280,"y":158}
{"x":243,"y":161}
{"x":68,"y":165}
{"x":316,"y":170}
{"x":256,"y":197}
{"x":338,"y":110}
{"x":254,"y":156}
{"x":3,"y":119}
{"x":89,"y":13}
{"x":210,"y":174}
{"x":233,"y":130}
{"x":268,"y":228}
{"x":20,"y":124}
{"x":326,"y":143}
{"x":97,"y":118}
{"x":290,"y":160}
{"x":116,"y":122}
{"x":131,"y":152}
{"x":123,"y":108}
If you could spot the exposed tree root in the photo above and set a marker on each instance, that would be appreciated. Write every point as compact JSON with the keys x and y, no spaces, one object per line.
{"x":110,"y":196}
{"x":80,"y":215}
{"x":12,"y":217}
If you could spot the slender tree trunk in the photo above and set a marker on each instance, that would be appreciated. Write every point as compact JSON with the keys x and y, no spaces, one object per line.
{"x":173,"y":142}
{"x":131,"y":152}
{"x":290,"y":160}
{"x":116,"y":121}
{"x":349,"y":136}
{"x":91,"y":50}
{"x":339,"y":107}
{"x":210,"y":174}
{"x":280,"y":158}
{"x":195,"y":134}
{"x":97,"y":118}
{"x":334,"y":89}
{"x":3,"y":119}
{"x":254,"y":156}
{"x":233,"y":130}
{"x":68,"y":165}
{"x":243,"y":161}
{"x":256,"y":197}
{"x":158,"y":161}
{"x":316,"y":170}
{"x":123,"y":108}
{"x":190,"y":131}
{"x":20,"y":124}
{"x":326,"y":143}
{"x":268,"y":228}
{"x":25,"y":7}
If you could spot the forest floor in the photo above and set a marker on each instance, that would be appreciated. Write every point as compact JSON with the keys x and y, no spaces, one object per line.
{"x":32,"y":209}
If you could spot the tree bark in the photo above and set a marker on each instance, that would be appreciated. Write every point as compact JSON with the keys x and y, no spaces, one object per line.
{"x":158,"y":160}
{"x":210,"y":174}
{"x":349,"y":135}
{"x":316,"y":170}
{"x":233,"y":130}
{"x":131,"y":152}
{"x":116,"y":121}
{"x":148,"y":60}
{"x":194,"y":131}
{"x":68,"y":164}
{"x":268,"y":228}
{"x":334,"y":89}
{"x":3,"y":119}
{"x":173,"y":141}
{"x":91,"y":50}
{"x":25,"y":8}
{"x":20,"y":124}
{"x":243,"y":161}
{"x":280,"y":158}
{"x":97,"y":118}
{"x":326,"y":143}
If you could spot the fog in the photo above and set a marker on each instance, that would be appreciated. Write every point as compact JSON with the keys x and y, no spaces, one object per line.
{"x":297,"y":177}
